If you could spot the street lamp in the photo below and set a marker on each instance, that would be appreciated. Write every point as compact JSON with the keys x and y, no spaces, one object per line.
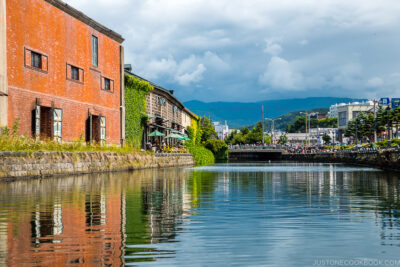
{"x":273,"y":127}
{"x":308,"y":115}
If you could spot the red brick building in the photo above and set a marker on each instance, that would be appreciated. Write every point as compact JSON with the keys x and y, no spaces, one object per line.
{"x":65,"y":73}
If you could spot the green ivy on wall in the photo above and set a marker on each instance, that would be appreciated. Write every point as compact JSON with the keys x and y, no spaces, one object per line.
{"x":136,"y":91}
{"x":194,"y":132}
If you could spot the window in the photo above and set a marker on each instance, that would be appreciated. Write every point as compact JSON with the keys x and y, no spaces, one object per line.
{"x":342,"y":117}
{"x":95,"y":50}
{"x":36,"y":60}
{"x":161,"y":101}
{"x":107,"y":84}
{"x":74,"y":73}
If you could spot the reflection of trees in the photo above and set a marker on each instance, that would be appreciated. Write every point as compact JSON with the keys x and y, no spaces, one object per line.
{"x":154,"y":208}
{"x":199,"y":185}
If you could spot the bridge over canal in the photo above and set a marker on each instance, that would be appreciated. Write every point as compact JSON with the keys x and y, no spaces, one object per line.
{"x":255,"y":154}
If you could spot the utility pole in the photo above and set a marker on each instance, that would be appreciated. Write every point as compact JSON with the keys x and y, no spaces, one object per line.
{"x":375,"y":137}
{"x":388,"y":124}
{"x":307,"y":130}
{"x":262,"y":115}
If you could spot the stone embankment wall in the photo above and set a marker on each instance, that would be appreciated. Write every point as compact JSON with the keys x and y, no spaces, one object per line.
{"x":15,"y":165}
{"x":384,"y":159}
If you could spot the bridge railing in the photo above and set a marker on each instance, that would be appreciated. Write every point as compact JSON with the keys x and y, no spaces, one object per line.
{"x":254,"y":147}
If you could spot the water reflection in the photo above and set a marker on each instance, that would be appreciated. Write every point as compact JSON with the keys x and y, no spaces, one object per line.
{"x":280,"y":214}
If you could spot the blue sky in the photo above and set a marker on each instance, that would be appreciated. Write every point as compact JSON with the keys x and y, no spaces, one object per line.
{"x":235,"y":50}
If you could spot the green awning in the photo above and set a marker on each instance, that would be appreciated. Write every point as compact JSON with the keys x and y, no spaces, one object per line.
{"x":173,"y":135}
{"x":156,"y":133}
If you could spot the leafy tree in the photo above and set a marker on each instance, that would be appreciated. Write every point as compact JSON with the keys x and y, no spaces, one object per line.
{"x":283,"y":139}
{"x":245,"y":136}
{"x":207,"y":129}
{"x":217,"y":147}
{"x":299,"y":125}
{"x":327,"y":139}
{"x":244,"y":130}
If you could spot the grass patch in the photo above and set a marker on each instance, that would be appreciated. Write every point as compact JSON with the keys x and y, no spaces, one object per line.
{"x":13,"y":143}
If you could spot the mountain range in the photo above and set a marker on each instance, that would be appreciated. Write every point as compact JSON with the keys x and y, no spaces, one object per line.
{"x":238,"y":114}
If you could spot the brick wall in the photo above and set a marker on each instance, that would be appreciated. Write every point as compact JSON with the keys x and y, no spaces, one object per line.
{"x":41,"y":27}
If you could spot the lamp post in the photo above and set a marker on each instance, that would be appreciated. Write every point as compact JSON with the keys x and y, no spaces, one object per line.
{"x":273,"y":127}
{"x":308,"y":115}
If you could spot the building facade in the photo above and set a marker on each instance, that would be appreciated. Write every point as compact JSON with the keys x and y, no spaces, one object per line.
{"x":65,"y":79}
{"x":346,"y":112}
{"x":166,"y":113}
{"x":314,"y":137}
{"x":221,"y":129}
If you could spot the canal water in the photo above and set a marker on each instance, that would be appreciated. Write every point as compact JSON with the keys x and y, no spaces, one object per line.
{"x":244,"y":214}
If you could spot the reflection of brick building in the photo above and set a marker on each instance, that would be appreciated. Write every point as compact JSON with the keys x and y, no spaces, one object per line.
{"x":86,"y":233}
{"x":64,"y":72}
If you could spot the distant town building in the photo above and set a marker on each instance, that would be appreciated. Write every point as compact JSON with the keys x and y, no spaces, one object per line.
{"x":60,"y":73}
{"x":346,"y":112}
{"x":314,"y":137}
{"x":333,"y":110}
{"x":221,"y":129}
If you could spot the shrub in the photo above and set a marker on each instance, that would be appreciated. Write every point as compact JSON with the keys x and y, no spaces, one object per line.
{"x":217,"y":147}
{"x":383,"y":143}
{"x":201,"y":155}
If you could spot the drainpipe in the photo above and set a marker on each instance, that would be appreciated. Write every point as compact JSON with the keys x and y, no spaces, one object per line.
{"x":3,"y":66}
{"x":122,"y":95}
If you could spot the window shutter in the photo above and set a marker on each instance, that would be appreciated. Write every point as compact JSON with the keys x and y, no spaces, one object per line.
{"x":37,"y":121}
{"x":103,"y":128}
{"x":81,"y":75}
{"x":27,"y":57}
{"x":112,"y":85}
{"x":69,"y":76}
{"x":102,"y":83}
{"x":44,"y":63}
{"x":57,"y":124}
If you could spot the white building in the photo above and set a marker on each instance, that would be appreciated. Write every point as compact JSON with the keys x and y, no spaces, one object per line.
{"x":314,"y":137}
{"x":349,"y":111}
{"x":333,"y":110}
{"x":221,"y":129}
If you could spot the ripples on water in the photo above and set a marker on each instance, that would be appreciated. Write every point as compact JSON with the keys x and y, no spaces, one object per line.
{"x":271,"y":214}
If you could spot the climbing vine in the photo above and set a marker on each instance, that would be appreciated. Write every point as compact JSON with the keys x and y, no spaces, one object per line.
{"x":194,"y":132}
{"x":136,"y":91}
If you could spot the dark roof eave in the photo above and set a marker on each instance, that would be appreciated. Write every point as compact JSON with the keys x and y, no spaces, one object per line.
{"x":85,"y":19}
